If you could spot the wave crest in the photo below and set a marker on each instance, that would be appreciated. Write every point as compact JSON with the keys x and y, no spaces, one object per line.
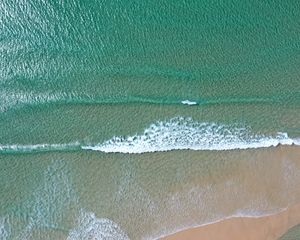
{"x":184,"y":133}
{"x":175,"y":134}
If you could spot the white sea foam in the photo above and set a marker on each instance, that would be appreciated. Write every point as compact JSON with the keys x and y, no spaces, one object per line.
{"x":91,"y":227}
{"x":4,"y":229}
{"x":51,"y":202}
{"x":296,"y":141}
{"x":185,"y":133}
{"x":37,"y":147}
{"x":187,"y":102}
{"x":176,"y":134}
{"x":251,"y":214}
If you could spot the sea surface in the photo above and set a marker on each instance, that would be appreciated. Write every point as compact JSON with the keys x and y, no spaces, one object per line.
{"x":135,"y":119}
{"x":292,"y":234}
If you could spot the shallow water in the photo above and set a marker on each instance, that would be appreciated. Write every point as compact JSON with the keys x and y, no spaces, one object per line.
{"x":141,"y":196}
{"x":293,"y":233}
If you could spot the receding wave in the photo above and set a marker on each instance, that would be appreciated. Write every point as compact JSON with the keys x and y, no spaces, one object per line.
{"x":91,"y":227}
{"x":185,"y":133}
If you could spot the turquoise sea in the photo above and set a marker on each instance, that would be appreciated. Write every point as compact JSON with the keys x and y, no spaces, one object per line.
{"x":124,"y":119}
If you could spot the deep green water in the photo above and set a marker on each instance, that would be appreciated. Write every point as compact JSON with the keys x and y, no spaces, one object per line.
{"x":124,"y":51}
{"x":77,"y":73}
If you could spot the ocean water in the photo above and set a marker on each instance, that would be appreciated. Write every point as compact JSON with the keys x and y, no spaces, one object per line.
{"x":128,"y":119}
{"x":292,"y":234}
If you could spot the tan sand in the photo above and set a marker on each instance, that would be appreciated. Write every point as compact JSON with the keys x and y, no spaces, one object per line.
{"x":263,"y":228}
{"x":277,"y":176}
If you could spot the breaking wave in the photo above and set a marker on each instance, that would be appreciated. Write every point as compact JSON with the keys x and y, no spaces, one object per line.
{"x":184,"y":133}
{"x":175,"y":134}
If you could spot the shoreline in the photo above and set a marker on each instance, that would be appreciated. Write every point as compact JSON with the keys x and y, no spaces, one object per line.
{"x":268,"y":227}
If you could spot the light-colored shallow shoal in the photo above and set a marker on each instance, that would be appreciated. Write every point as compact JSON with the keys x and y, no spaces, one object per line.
{"x":263,"y":228}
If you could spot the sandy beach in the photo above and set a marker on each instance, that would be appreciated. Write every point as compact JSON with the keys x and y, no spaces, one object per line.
{"x":269,"y":227}
{"x":263,"y":228}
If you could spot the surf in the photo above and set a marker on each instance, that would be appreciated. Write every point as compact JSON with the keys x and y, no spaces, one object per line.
{"x":179,"y":133}
{"x":186,"y":134}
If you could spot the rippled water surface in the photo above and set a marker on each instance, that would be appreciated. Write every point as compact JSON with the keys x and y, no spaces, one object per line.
{"x":216,"y":82}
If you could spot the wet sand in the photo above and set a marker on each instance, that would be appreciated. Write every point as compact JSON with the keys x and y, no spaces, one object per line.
{"x":150,"y":195}
{"x":269,"y":227}
{"x":262,"y":228}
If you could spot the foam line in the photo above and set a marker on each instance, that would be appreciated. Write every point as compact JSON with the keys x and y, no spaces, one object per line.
{"x":184,"y":133}
{"x":38,"y":148}
{"x":175,"y":134}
